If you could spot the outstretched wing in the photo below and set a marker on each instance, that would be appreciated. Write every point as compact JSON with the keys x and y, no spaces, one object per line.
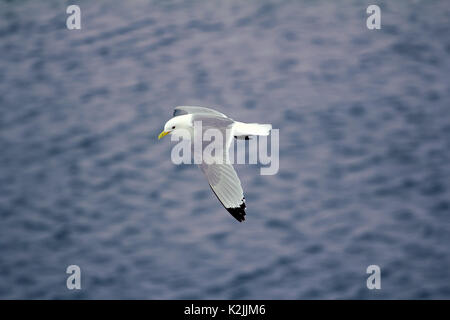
{"x":226,"y":185}
{"x":187,"y":109}
{"x":221,"y":176}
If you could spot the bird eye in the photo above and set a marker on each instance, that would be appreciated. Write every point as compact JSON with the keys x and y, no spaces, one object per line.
{"x":173,"y":127}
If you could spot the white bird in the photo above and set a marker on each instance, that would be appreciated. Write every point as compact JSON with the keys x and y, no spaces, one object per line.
{"x":221,"y":176}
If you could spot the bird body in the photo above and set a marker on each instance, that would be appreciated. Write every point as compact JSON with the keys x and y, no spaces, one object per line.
{"x":220,"y":174}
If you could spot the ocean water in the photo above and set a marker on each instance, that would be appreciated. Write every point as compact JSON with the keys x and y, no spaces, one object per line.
{"x":364,"y":150}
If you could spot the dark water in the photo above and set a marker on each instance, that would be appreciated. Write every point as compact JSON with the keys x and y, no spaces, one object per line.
{"x":365,"y":148}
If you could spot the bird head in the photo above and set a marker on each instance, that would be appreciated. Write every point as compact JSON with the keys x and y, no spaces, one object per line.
{"x":175,"y":124}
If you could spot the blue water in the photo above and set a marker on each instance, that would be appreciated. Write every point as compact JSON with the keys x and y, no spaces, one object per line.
{"x":364,"y":145}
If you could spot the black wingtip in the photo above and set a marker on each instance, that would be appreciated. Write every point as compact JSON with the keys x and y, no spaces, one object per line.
{"x":238,"y":213}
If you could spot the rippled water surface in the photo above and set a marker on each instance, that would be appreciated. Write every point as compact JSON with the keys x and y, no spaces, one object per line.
{"x":364,"y":145}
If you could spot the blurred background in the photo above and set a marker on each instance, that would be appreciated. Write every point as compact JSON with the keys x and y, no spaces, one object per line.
{"x":364,"y":149}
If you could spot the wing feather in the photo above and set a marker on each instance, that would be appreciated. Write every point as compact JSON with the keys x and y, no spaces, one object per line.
{"x":221,"y":176}
{"x":226,"y":185}
{"x":188,"y":109}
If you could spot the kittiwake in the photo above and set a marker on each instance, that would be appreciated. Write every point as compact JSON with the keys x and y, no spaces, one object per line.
{"x":221,"y":176}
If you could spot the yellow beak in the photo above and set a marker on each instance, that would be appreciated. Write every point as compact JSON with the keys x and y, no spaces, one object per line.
{"x":162,"y":134}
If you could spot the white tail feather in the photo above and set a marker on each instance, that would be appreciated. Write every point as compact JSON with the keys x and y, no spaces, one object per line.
{"x":251,"y":129}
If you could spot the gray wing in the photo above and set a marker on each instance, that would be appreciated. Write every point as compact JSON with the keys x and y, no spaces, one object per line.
{"x":220,"y":174}
{"x":187,"y":109}
{"x":226,"y":185}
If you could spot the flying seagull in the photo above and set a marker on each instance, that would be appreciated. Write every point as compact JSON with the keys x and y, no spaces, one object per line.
{"x":221,"y":176}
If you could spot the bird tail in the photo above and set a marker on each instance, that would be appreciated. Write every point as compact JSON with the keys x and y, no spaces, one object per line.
{"x":242,"y":130}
